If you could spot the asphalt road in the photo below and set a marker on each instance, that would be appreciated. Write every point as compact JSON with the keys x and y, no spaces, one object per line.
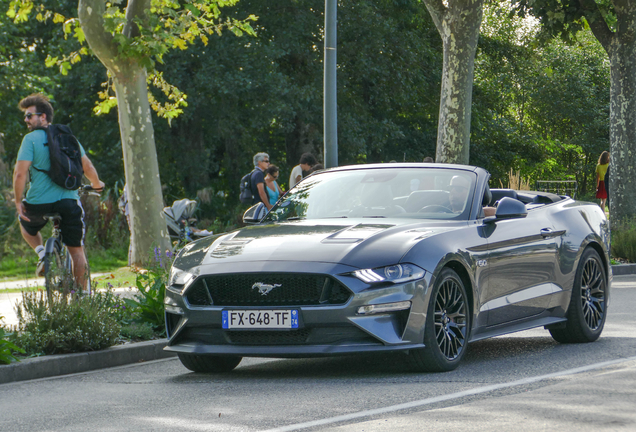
{"x":525,"y":382}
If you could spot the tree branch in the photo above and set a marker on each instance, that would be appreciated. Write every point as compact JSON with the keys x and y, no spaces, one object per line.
{"x":438,"y":11}
{"x":597,"y":23}
{"x":91,"y":15}
{"x":136,"y":9}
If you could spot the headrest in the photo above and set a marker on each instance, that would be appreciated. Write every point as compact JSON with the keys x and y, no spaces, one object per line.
{"x":487,"y":197}
{"x":498,"y":194}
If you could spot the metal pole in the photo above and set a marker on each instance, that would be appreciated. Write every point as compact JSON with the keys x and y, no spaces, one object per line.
{"x":330,"y":107}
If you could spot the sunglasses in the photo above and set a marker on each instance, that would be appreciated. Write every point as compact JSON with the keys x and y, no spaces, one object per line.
{"x":265,"y":160}
{"x":29,"y":115}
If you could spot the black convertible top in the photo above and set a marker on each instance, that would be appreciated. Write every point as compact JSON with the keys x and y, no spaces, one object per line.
{"x":538,"y":197}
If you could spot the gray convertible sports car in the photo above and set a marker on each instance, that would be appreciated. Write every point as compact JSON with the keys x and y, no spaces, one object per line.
{"x":390,"y":257}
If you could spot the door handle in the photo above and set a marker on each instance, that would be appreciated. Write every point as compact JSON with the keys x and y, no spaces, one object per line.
{"x":549,"y":232}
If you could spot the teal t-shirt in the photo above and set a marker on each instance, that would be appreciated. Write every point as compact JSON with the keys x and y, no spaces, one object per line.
{"x":42,"y":189}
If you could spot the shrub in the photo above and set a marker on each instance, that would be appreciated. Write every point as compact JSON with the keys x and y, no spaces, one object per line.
{"x":66,"y":324}
{"x":136,"y":331}
{"x":7,"y":348}
{"x":151,"y":284}
{"x":624,"y":240}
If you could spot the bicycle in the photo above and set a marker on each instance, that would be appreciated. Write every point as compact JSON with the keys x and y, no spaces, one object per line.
{"x":58,"y":265}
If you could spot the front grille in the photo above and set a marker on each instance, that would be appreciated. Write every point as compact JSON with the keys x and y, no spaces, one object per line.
{"x":296,"y":337}
{"x":290,"y":289}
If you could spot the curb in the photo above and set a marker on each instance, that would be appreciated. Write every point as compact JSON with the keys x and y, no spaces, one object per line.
{"x":624,"y":269}
{"x":64,"y":364}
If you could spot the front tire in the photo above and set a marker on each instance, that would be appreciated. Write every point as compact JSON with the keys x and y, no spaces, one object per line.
{"x":209,"y":363}
{"x":587,"y":310}
{"x":447,"y":326}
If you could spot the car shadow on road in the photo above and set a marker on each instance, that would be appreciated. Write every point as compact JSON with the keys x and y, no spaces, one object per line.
{"x":506,"y":354}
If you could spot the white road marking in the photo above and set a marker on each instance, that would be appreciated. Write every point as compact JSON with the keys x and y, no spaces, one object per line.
{"x":443,"y":398}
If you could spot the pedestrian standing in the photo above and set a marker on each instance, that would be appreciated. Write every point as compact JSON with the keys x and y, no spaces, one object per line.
{"x":257,"y":179}
{"x":307,"y":160}
{"x":601,"y":170}
{"x":271,"y":185}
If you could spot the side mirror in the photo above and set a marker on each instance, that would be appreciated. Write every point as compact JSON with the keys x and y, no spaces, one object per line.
{"x":508,"y":208}
{"x":255,"y":213}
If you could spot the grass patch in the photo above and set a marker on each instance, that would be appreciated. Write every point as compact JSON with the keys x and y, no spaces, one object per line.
{"x":118,"y":278}
{"x":624,"y":240}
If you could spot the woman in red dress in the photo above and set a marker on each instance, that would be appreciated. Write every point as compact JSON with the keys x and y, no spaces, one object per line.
{"x":601,"y":170}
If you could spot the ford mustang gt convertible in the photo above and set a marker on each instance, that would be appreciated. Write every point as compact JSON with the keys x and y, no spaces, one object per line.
{"x":413,"y":258}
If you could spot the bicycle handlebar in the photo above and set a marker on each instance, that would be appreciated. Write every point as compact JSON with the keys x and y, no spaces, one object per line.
{"x":89,"y":190}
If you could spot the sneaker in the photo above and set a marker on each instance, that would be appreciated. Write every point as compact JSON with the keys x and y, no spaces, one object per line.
{"x":39,"y":269}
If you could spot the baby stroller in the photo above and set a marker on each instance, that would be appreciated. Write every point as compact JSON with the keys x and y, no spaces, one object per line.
{"x":182,"y":223}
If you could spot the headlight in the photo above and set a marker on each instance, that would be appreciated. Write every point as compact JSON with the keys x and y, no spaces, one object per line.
{"x":397,"y":273}
{"x":180,"y":277}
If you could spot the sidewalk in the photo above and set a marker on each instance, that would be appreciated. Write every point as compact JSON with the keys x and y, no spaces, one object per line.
{"x":8,"y":300}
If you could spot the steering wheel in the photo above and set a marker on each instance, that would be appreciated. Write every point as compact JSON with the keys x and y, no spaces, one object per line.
{"x":435,"y":208}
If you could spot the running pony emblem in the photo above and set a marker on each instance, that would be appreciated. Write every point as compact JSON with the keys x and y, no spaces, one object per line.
{"x":264,"y":289}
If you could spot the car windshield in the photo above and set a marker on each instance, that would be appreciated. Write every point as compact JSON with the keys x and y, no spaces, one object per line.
{"x":422,"y":193}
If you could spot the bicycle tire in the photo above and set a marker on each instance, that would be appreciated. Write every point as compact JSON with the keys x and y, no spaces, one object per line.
{"x":87,"y":274}
{"x":53,"y":269}
{"x":67,"y":265}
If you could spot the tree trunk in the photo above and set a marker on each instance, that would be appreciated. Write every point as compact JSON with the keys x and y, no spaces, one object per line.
{"x":458,"y":25}
{"x":148,"y":227}
{"x":622,"y":131}
{"x":620,"y":46}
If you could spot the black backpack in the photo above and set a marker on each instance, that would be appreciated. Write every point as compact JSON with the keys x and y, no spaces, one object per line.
{"x":66,"y":157}
{"x":246,"y":196}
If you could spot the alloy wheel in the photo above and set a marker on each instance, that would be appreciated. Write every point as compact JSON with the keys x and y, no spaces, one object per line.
{"x":450,"y":319}
{"x":593,"y":294}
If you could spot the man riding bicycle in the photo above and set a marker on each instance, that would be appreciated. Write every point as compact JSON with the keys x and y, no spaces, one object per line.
{"x":44,"y":196}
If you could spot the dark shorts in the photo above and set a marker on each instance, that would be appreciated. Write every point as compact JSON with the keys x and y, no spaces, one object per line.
{"x":72,"y":224}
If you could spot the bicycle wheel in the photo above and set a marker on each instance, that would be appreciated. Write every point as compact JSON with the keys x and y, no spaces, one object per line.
{"x":53,"y":269}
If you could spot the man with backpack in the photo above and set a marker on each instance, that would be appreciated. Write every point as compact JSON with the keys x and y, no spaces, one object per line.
{"x":48,"y":193}
{"x":253,"y":184}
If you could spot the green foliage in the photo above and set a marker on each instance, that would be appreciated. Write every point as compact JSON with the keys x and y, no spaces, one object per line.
{"x":538,"y":109}
{"x":565,"y":18}
{"x":137,"y":331}
{"x":7,"y":216}
{"x":7,"y":348}
{"x":624,"y":240}
{"x":168,"y":25}
{"x":66,"y":324}
{"x":543,"y":109}
{"x":147,"y":304}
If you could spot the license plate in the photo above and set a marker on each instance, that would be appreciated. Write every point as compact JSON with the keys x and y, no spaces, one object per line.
{"x":260,"y":319}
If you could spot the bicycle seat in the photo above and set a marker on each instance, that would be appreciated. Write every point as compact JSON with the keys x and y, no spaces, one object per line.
{"x":55,"y":217}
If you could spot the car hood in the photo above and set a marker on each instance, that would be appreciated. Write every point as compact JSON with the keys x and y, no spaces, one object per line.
{"x":355,"y":243}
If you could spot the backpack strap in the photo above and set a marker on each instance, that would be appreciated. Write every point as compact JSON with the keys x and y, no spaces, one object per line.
{"x":49,"y":139}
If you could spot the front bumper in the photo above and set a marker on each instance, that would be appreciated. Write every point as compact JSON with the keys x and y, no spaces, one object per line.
{"x":324,"y":330}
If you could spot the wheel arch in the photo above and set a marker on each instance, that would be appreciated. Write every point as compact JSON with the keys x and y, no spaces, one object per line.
{"x":463,"y":274}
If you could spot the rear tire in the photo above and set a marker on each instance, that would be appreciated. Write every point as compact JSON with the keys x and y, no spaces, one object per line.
{"x":209,"y":363}
{"x":587,"y":310}
{"x":447,"y":326}
{"x":53,"y":271}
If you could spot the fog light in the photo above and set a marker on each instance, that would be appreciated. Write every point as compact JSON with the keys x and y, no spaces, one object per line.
{"x":387,"y":307}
